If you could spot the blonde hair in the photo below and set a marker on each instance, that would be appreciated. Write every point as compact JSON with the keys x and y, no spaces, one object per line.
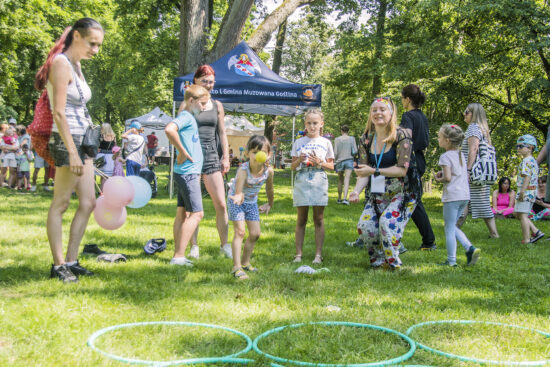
{"x":391,"y":128}
{"x":107,"y":131}
{"x":194,"y":91}
{"x":480,"y":118}
{"x":455,"y":135}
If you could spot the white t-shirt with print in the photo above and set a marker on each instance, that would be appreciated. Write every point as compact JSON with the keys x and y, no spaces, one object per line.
{"x":321,"y":147}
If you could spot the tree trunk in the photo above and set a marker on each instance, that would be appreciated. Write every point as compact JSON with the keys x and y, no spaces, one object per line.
{"x":277,"y":60}
{"x":193,"y":26}
{"x":262,"y":34}
{"x":379,"y":48}
{"x":231,"y":28}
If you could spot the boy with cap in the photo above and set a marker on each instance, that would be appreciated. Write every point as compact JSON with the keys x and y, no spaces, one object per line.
{"x":528,"y":174}
{"x":135,"y":149}
{"x":183,"y":133}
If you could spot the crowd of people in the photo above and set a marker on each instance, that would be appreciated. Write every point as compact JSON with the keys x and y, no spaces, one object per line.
{"x":389,"y":170}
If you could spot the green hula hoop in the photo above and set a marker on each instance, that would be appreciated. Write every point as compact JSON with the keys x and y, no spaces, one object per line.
{"x":232,"y":358}
{"x":332,"y":323}
{"x":480,"y":361}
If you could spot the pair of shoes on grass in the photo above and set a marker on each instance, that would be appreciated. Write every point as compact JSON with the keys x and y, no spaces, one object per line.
{"x":317,"y":260}
{"x":69,"y":273}
{"x":240,"y":274}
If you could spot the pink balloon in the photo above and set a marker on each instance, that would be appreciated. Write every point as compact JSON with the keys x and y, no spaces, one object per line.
{"x":109,"y":217}
{"x":118,"y":191}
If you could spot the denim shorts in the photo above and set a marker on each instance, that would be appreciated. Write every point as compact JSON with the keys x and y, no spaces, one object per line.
{"x":310,"y":187}
{"x":211,"y":160}
{"x":189,"y":192}
{"x":245,"y":211}
{"x":59,"y":151}
{"x":344,"y":165}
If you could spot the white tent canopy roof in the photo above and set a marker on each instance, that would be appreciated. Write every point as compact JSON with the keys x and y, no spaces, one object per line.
{"x":155,"y":120}
{"x":240,"y":126}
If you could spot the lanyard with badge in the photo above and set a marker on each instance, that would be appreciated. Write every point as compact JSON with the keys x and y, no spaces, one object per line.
{"x":377,"y":181}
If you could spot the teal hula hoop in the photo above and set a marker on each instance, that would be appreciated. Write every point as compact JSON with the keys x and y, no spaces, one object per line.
{"x":479,"y":361}
{"x":338,"y":323}
{"x":232,"y":358}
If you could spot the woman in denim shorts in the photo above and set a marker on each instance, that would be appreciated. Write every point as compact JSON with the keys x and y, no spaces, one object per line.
{"x":67,"y":89}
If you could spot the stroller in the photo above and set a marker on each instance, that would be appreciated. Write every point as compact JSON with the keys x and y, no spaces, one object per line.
{"x":148,"y":174}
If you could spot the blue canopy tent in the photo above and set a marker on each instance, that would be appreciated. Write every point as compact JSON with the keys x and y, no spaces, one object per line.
{"x":244,"y":84}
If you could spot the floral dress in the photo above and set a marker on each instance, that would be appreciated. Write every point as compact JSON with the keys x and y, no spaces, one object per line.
{"x":385,"y":215}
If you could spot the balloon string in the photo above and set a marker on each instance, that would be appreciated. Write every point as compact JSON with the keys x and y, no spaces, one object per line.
{"x":102,"y":175}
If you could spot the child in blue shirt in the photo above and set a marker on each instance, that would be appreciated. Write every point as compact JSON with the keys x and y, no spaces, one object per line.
{"x":183,"y":133}
{"x":24,"y":157}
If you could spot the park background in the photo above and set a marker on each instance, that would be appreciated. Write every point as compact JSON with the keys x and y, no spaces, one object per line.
{"x":458,"y":52}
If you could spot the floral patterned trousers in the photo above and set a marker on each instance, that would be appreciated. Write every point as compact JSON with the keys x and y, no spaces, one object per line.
{"x":382,"y":235}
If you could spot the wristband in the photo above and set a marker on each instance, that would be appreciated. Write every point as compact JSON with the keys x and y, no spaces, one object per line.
{"x":377,"y":172}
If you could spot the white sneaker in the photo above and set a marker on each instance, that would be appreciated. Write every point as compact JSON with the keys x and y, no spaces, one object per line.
{"x":183,"y":261}
{"x":225,"y":250}
{"x":194,"y":252}
{"x":33,"y":188}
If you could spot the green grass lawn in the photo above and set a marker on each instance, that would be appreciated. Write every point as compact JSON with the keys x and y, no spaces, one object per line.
{"x":46,"y":323}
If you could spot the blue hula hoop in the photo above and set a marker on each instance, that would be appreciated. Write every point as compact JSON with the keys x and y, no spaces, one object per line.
{"x":474,"y":360}
{"x":333,"y":323}
{"x":232,"y":358}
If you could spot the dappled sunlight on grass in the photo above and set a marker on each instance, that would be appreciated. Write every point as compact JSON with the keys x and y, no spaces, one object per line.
{"x":509,"y":284}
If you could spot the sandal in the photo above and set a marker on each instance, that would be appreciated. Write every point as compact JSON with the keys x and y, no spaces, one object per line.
{"x":154,"y":245}
{"x":250,"y":268}
{"x":297,"y":259}
{"x":318,"y":259}
{"x":239,"y":274}
{"x":92,"y":249}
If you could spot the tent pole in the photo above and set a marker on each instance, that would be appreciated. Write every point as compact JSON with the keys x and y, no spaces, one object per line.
{"x":293,"y":135}
{"x":171,"y":173}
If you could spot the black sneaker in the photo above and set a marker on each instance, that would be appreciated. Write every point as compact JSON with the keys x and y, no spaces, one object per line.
{"x":78,"y":270}
{"x":64,"y":274}
{"x":93,"y":249}
{"x":472,"y":255}
{"x":431,"y":247}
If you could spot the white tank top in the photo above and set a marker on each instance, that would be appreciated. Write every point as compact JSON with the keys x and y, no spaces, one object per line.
{"x":74,"y":110}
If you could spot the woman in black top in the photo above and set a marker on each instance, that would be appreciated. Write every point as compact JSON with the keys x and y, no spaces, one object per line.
{"x":211,"y":123}
{"x":416,"y":123}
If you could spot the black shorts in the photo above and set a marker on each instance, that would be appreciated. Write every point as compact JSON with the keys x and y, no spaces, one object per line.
{"x":211,"y":160}
{"x":59,"y":151}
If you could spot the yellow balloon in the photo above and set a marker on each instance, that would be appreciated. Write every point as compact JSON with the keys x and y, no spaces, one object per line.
{"x":261,"y":157}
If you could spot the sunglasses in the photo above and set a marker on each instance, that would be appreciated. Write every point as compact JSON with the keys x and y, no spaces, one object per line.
{"x":521,"y":146}
{"x":207,"y":82}
{"x":467,"y":112}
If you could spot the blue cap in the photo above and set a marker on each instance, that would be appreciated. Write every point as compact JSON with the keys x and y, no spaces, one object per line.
{"x":135,"y":124}
{"x":528,"y":139}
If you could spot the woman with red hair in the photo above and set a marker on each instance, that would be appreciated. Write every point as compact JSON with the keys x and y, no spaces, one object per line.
{"x":211,"y":131}
{"x":68,"y":93}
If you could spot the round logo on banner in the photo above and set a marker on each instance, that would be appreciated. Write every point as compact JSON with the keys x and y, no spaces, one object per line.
{"x":244,"y":65}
